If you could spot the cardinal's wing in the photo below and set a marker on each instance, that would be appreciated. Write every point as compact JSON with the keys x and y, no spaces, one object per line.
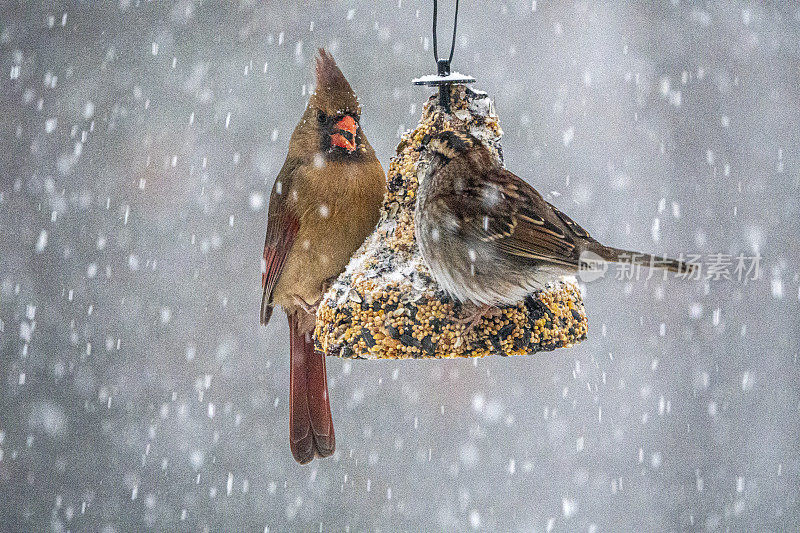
{"x":282,"y":227}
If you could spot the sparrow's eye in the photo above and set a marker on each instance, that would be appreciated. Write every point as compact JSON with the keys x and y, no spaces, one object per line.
{"x":321,"y":117}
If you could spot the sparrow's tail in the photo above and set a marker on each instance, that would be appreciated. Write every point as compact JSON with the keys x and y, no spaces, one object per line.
{"x":310,"y":421}
{"x":616,"y":255}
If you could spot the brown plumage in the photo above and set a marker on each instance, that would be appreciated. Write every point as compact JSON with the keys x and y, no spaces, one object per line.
{"x":488,"y":237}
{"x":324,"y":203}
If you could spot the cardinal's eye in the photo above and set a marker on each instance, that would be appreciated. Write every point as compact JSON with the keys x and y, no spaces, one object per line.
{"x":321,"y":117}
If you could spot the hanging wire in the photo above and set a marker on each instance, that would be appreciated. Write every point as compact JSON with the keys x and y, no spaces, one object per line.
{"x":435,"y":39}
{"x":444,"y":78}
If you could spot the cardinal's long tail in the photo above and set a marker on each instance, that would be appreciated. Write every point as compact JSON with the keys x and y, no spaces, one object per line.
{"x":616,"y":255}
{"x":310,"y":421}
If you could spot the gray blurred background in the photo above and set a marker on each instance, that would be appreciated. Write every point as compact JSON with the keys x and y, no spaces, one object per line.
{"x":140,"y":140}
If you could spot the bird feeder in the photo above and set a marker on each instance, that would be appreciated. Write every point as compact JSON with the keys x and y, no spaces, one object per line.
{"x":386,"y":305}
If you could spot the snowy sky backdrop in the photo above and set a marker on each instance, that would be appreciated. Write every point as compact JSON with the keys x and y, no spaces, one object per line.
{"x":140,"y":141}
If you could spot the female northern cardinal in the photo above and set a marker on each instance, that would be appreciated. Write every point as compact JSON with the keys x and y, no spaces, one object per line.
{"x":489,"y":238}
{"x":324,"y":203}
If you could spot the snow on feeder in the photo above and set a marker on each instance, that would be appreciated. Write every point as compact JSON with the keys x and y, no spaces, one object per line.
{"x":386,"y":305}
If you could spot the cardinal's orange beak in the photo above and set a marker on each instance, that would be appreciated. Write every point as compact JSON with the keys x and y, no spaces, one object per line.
{"x":347,"y":125}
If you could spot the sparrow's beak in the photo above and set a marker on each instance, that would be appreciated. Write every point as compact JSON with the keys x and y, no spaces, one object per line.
{"x":344,"y":135}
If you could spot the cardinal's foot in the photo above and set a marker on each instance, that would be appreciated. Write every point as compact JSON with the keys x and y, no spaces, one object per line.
{"x":307,"y":307}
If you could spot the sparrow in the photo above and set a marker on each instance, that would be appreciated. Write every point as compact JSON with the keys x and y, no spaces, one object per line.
{"x":488,"y":237}
{"x":325,"y":201}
